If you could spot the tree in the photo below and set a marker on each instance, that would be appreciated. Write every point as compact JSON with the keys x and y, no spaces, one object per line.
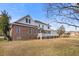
{"x":61,"y":30}
{"x":63,"y":13}
{"x":4,"y":24}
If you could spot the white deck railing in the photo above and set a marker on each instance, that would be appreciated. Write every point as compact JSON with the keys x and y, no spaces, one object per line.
{"x":46,"y":35}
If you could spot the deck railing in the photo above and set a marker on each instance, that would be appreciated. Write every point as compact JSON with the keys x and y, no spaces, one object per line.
{"x":40,"y":35}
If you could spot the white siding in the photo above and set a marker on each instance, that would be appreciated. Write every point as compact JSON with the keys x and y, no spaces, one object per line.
{"x":54,"y":33}
{"x":24,"y":21}
{"x":45,"y":27}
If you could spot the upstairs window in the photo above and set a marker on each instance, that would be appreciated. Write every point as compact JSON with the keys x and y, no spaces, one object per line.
{"x":42,"y":26}
{"x":48,"y":27}
{"x":29,"y":21}
{"x":39,"y":25}
{"x":26,"y":20}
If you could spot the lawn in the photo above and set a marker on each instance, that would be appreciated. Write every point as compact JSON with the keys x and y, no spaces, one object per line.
{"x":51,"y":47}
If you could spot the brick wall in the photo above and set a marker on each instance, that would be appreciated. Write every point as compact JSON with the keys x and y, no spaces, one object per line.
{"x":24,"y":32}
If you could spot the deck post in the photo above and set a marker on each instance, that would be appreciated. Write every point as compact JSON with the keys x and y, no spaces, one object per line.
{"x":40,"y":36}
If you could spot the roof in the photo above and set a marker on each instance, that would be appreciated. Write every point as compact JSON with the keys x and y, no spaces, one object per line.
{"x":23,"y":18}
{"x":34,"y":20}
{"x":21,"y":24}
{"x":40,"y":22}
{"x":30,"y":17}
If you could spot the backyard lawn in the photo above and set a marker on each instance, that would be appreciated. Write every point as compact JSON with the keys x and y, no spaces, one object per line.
{"x":50,"y":47}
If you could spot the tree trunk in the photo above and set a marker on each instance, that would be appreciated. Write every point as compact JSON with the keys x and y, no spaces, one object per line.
{"x":7,"y":37}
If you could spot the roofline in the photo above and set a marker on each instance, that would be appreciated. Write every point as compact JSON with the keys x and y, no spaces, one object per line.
{"x":22,"y":18}
{"x":41,"y":22}
{"x":34,"y":20}
{"x":21,"y":24}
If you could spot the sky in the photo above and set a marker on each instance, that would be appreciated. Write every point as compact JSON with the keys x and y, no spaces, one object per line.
{"x":18,"y":10}
{"x":35,"y":10}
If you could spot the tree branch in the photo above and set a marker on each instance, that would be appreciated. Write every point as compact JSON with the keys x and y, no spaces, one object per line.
{"x":66,"y":23}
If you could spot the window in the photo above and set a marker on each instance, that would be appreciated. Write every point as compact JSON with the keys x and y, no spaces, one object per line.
{"x":39,"y":25}
{"x":42,"y":26}
{"x":29,"y":21}
{"x":17,"y":29}
{"x":48,"y":27}
{"x":30,"y":30}
{"x":26,"y":20}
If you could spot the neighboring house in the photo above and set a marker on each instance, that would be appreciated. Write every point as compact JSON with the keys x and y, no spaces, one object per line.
{"x":70,"y":34}
{"x":74,"y":33}
{"x":27,"y":28}
{"x":66,"y":35}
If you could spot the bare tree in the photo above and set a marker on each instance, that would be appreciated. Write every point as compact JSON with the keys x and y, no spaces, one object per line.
{"x":61,"y":30}
{"x":63,"y":13}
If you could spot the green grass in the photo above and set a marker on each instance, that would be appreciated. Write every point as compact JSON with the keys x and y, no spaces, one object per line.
{"x":51,"y":47}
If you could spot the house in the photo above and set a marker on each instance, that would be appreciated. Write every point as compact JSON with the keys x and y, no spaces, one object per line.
{"x":70,"y":34}
{"x":74,"y":33}
{"x":27,"y":28}
{"x":43,"y":27}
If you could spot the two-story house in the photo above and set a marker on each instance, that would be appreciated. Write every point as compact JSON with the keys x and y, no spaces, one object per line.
{"x":27,"y":28}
